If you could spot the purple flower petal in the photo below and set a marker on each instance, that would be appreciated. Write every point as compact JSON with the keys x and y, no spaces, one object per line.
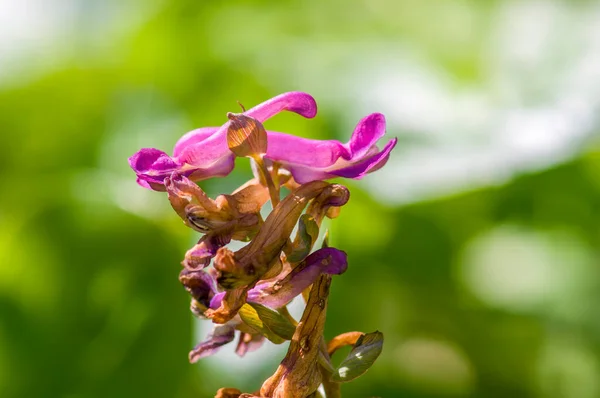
{"x":201,"y":285}
{"x":220,"y":335}
{"x":152,"y":166}
{"x":294,"y":101}
{"x":203,"y":153}
{"x":366,"y":133}
{"x":199,"y":256}
{"x":368,"y":165}
{"x":310,"y":160}
{"x":193,"y":137}
{"x":289,"y":149}
{"x":248,"y":343}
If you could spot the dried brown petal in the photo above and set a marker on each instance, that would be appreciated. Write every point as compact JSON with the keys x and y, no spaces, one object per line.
{"x":228,"y":393}
{"x":333,"y":196}
{"x":246,"y":136}
{"x":199,"y":256}
{"x":236,"y":214}
{"x":256,"y":258}
{"x":233,"y":300}
{"x":248,"y":342}
{"x":182,"y":192}
{"x":250,"y":197}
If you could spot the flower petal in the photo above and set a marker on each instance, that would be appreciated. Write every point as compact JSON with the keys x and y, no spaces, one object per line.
{"x":199,"y":256}
{"x":193,"y":137}
{"x":325,"y":153}
{"x":275,"y":295}
{"x":151,"y":159}
{"x":152,"y":166}
{"x":368,"y":165}
{"x":310,"y":160}
{"x":367,"y":132}
{"x":279,"y":293}
{"x":289,"y":149}
{"x":221,"y":335}
{"x":249,"y":342}
{"x":294,"y":101}
{"x":200,"y":284}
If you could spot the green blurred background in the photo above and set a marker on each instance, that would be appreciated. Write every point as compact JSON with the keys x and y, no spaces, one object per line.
{"x":475,"y":251}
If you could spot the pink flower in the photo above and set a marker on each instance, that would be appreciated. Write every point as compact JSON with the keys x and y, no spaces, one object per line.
{"x":204,"y":153}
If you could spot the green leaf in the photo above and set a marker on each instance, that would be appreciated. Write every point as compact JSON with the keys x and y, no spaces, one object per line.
{"x":360,"y":359}
{"x":279,"y":324}
{"x":267,"y":322}
{"x":308,"y":232}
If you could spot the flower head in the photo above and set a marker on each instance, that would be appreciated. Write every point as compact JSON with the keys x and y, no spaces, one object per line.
{"x":205,"y":152}
{"x":248,"y":290}
{"x":274,"y":294}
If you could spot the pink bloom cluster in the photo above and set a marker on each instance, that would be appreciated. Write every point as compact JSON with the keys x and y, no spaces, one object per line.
{"x":203,"y":153}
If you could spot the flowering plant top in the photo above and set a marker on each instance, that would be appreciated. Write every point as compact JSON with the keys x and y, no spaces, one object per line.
{"x":248,"y":290}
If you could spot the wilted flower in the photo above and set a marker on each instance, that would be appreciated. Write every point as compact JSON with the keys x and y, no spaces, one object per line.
{"x":235,"y":216}
{"x":239,"y":271}
{"x":273,"y":294}
{"x":205,"y":153}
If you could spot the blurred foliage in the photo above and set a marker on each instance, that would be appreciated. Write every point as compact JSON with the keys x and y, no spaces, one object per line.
{"x":487,"y":293}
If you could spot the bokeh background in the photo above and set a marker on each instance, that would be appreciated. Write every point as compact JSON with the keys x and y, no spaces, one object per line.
{"x":475,"y":251}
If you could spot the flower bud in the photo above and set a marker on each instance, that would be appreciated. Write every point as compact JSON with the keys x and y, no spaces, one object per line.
{"x":246,"y":136}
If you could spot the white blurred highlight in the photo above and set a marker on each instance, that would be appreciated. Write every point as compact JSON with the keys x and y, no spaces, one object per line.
{"x":434,"y":365}
{"x":525,"y":270}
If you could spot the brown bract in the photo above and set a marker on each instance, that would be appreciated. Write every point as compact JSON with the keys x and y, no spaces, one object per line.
{"x":246,"y":136}
{"x":228,"y":393}
{"x":328,"y":202}
{"x":299,"y":375}
{"x":237,"y":213}
{"x":235,"y":216}
{"x":240,"y":271}
{"x":231,"y":304}
{"x":234,"y":393}
{"x":251,"y":262}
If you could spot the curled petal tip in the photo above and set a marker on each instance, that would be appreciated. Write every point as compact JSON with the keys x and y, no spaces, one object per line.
{"x":151,"y":167}
{"x":294,"y":101}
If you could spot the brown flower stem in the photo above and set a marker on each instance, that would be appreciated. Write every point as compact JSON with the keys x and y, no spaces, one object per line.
{"x":298,"y":375}
{"x":276,"y":175}
{"x":332,"y":389}
{"x":273,"y":189}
